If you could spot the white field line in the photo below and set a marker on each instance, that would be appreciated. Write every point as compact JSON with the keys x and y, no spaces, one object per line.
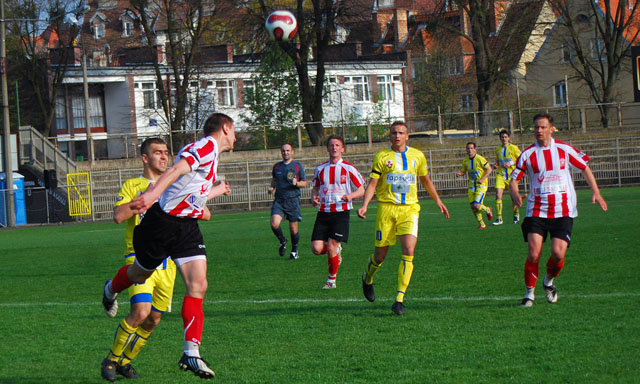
{"x":329,"y":300}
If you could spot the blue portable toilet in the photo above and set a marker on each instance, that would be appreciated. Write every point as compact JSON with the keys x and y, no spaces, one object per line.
{"x":18,"y":199}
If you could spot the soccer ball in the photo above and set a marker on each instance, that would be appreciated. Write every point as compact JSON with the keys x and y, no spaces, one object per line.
{"x":281,"y":25}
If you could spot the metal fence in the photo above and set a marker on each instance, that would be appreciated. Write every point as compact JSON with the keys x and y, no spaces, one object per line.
{"x":624,"y":117}
{"x":615,"y":163}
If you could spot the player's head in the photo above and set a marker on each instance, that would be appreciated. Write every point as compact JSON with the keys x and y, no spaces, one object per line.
{"x":398,"y":134}
{"x":335,"y":146}
{"x":471,"y":149}
{"x":286,"y":151}
{"x":504,"y":137}
{"x":155,"y":155}
{"x":221,"y":124}
{"x":543,"y":128}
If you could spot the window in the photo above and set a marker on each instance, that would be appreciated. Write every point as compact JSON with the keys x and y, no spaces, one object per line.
{"x":360,"y":87}
{"x":61,"y":113}
{"x":568,"y":54}
{"x":455,"y":66}
{"x":95,"y":111}
{"x":98,"y":30}
{"x":248,"y":89}
{"x":387,"y":87}
{"x":127,"y":28}
{"x":224,"y":92}
{"x":77,"y":110}
{"x":597,"y":49}
{"x":466,"y":102}
{"x":150,"y":99}
{"x":331,"y":89}
{"x":385,"y":3}
{"x":560,"y":93}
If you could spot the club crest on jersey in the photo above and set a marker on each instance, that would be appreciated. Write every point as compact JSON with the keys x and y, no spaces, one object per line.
{"x":562,"y":162}
{"x":203,"y":190}
{"x":291,"y":175}
{"x":389,"y":164}
{"x":325,"y":190}
{"x":343,"y":179}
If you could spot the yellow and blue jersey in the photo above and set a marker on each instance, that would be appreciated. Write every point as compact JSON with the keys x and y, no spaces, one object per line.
{"x":506,"y":158}
{"x":131,"y":189}
{"x":398,"y":174}
{"x":475,"y":167}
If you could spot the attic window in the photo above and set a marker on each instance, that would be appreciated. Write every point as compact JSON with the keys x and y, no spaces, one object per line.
{"x":98,"y":30}
{"x":547,"y":31}
{"x":127,"y":28}
{"x":582,"y":18}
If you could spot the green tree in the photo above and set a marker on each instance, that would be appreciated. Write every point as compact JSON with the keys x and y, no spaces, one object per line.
{"x":272,"y":99}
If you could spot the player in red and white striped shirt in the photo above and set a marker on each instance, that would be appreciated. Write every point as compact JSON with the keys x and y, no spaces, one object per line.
{"x":170,"y":228}
{"x":552,"y":202}
{"x":335,"y":184}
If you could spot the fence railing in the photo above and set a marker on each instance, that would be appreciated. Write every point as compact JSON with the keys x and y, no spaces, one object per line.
{"x":624,"y":117}
{"x":40,"y":152}
{"x":615,"y":162}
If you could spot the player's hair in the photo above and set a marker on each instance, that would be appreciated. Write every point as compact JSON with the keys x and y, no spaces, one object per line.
{"x":146,"y":144}
{"x":335,"y":137}
{"x":215,"y":122}
{"x":543,"y":116}
{"x":504,"y":132}
{"x":471,"y":142}
{"x":396,"y":123}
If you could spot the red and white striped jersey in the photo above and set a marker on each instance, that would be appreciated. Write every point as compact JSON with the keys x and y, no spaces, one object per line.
{"x":187,"y":196}
{"x":334,"y":181}
{"x":552,"y":193}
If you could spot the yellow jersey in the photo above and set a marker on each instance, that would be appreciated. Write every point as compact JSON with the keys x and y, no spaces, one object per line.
{"x":131,"y":189}
{"x":506,"y":158}
{"x":475,"y":168}
{"x":398,"y":174}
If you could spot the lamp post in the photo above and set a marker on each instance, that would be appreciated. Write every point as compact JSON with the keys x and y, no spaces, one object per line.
{"x":85,"y":86}
{"x":8,"y":169}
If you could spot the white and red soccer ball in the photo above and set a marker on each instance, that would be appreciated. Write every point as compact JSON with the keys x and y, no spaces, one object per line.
{"x":281,"y":25}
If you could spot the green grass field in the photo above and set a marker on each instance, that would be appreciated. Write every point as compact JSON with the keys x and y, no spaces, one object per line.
{"x":268,"y":321}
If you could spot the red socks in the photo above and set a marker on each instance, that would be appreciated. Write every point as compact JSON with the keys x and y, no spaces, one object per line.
{"x":530,"y":274}
{"x":553,"y":268}
{"x":334,"y":263}
{"x":121,"y":281}
{"x":192,"y":319}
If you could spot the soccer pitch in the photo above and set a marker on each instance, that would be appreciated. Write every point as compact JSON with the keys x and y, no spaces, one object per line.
{"x":267,"y":320}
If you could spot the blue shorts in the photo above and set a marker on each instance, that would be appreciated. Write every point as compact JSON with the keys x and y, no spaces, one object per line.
{"x":287,"y":208}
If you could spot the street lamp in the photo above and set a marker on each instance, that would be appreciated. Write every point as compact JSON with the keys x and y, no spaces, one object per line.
{"x":8,"y":168}
{"x":85,"y":85}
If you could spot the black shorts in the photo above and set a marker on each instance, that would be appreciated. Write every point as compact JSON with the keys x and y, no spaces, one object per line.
{"x":160,"y":235}
{"x":333,"y":225}
{"x":287,"y":208}
{"x":559,"y":228}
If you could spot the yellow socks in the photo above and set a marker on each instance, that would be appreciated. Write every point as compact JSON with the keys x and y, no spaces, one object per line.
{"x":136,"y":343}
{"x":123,"y":334}
{"x":372,"y":268}
{"x":499,"y":209}
{"x":405,"y":270}
{"x":478,"y":214}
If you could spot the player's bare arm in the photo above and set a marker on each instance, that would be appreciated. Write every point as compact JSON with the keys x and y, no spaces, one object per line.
{"x":272,"y":186}
{"x":459,"y":174}
{"x":431,"y":190}
{"x":596,"y":196}
{"x":221,"y":188}
{"x":315,"y":199}
{"x":123,"y":212}
{"x":146,"y":200}
{"x":368,"y":195}
{"x":515,"y":192}
{"x":354,"y":195}
{"x":486,"y":174}
{"x":299,"y":183}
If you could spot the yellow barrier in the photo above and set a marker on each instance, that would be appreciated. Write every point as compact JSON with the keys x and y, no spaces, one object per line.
{"x":79,"y":193}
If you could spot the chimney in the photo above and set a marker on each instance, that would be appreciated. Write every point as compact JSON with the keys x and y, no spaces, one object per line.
{"x":401,"y":29}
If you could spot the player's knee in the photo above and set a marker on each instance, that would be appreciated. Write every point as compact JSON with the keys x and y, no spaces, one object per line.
{"x":197,"y":287}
